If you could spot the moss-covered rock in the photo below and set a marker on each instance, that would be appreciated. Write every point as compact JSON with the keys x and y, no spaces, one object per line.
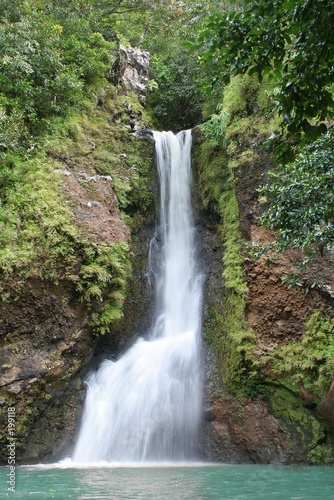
{"x":258,"y":313}
{"x":68,"y":219}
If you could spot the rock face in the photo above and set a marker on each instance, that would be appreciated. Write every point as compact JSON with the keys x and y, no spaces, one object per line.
{"x":46,"y":337}
{"x":272,"y":430}
{"x":46,"y":342}
{"x":95,"y":206}
{"x":245,"y":432}
{"x":325,"y":409}
{"x":280,"y":425}
{"x":134,"y":70}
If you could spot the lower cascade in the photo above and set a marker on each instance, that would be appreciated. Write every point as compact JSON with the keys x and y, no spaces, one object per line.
{"x":147,"y":405}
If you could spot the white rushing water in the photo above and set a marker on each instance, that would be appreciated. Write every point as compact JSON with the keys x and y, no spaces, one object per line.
{"x":147,"y":405}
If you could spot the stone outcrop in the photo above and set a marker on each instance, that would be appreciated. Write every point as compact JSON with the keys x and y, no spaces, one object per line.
{"x":134,"y":70}
{"x":244,"y":431}
{"x":95,"y":206}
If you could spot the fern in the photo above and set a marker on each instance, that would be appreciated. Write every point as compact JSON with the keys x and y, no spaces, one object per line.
{"x":310,"y":362}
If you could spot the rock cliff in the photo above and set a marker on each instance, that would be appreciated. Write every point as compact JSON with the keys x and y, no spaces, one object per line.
{"x":270,"y":399}
{"x":103,"y":181}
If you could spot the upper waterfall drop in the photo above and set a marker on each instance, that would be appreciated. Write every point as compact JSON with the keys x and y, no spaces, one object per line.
{"x":147,"y":405}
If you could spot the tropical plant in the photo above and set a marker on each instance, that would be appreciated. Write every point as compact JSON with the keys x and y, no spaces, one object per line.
{"x":213,"y":129}
{"x":301,"y":199}
{"x":309,"y":362}
{"x":289,"y":41}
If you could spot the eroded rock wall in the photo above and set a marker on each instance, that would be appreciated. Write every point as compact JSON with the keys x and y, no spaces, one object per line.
{"x":254,"y":414}
{"x":48,"y":346}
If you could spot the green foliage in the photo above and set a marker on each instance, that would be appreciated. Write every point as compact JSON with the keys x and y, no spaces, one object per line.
{"x":53,"y":52}
{"x":12,"y":11}
{"x":103,"y":279}
{"x":34,"y":78}
{"x":301,"y":199}
{"x":309,"y":362}
{"x":122,"y":188}
{"x":101,"y":321}
{"x":87,"y":52}
{"x":245,"y":118}
{"x":291,"y":42}
{"x":48,"y":61}
{"x":13,"y":132}
{"x":254,"y":389}
{"x":175,"y":101}
{"x":36,"y":224}
{"x":214,"y":128}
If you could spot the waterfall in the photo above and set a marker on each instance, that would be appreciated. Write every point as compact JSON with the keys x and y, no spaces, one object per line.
{"x":146,"y":406}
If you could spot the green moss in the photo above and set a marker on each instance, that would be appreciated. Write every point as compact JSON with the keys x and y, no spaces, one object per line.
{"x":248,"y":105}
{"x":240,"y":95}
{"x":38,"y":229}
{"x":293,"y":416}
{"x":227,"y":331}
{"x":28,"y":404}
{"x":246,"y":158}
{"x":300,"y":427}
{"x":7,"y":366}
{"x":54,"y":355}
{"x":322,"y":454}
{"x":310,"y":361}
{"x":233,"y":258}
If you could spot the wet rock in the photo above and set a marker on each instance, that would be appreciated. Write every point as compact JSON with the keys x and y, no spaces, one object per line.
{"x":244,"y":431}
{"x":144,"y":133}
{"x":46,"y":339}
{"x":308,"y":399}
{"x":325,"y":409}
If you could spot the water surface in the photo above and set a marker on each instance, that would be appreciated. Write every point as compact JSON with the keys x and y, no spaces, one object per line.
{"x":211,"y":482}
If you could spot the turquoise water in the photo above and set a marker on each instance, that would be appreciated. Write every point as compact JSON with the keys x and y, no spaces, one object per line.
{"x":212,"y":482}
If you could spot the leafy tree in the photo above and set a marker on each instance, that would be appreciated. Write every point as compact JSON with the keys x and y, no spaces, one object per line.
{"x":175,"y":101}
{"x":288,"y":43}
{"x":292,"y":42}
{"x":46,"y":66}
{"x":11,"y":11}
{"x":33,"y":75}
{"x":301,"y":199}
{"x":177,"y":98}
